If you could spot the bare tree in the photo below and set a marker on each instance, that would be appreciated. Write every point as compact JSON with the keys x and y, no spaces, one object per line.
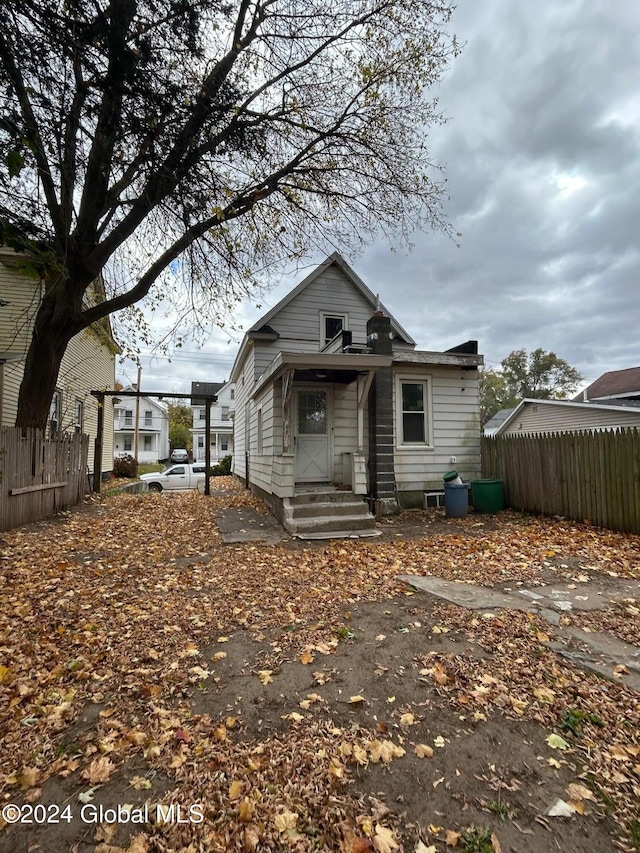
{"x":176,"y":147}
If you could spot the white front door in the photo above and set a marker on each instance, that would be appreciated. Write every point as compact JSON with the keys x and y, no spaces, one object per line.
{"x":312,"y":435}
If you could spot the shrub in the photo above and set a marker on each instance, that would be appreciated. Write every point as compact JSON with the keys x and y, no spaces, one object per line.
{"x":125,"y":466}
{"x":223,"y":468}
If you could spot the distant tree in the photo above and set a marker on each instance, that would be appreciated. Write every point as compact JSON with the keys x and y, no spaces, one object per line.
{"x":537,"y":375}
{"x":493,"y":394}
{"x":180,"y":423}
{"x":173,"y":148}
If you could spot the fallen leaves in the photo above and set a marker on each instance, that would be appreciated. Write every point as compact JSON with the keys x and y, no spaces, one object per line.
{"x":557,"y":742}
{"x":99,"y":770}
{"x":78,"y":633}
{"x":384,"y":840}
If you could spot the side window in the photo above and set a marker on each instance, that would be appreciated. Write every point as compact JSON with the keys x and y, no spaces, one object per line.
{"x":412,"y":412}
{"x":79,"y":416}
{"x":55,"y":413}
{"x":259,"y":430}
{"x":330,"y":326}
{"x":178,"y":470}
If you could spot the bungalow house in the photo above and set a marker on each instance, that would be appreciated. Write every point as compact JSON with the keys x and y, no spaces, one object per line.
{"x":335,"y":405}
{"x":537,"y":416}
{"x":221,"y":415}
{"x":153,"y":427}
{"x":88,"y":363}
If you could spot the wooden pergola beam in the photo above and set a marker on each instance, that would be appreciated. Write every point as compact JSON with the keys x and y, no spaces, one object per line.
{"x":207,"y":399}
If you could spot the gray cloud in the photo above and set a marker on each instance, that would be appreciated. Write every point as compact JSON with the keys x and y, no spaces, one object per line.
{"x":542,"y":150}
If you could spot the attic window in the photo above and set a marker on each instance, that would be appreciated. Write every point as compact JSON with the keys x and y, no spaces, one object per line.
{"x":331,"y":325}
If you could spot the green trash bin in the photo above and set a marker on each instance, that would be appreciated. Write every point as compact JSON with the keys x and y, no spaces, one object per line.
{"x":487,"y":495}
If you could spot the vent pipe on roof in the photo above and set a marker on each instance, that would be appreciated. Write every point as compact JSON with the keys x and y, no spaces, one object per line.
{"x":585,"y":398}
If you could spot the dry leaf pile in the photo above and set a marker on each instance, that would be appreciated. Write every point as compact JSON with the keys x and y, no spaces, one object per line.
{"x":112,"y":609}
{"x":594,"y":723}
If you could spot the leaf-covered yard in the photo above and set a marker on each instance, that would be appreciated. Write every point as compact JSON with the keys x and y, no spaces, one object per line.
{"x":297,"y":696}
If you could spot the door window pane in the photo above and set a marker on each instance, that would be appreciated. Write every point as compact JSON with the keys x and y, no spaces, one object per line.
{"x":312,"y":412}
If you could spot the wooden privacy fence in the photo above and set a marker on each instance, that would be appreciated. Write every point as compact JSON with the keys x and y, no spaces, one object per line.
{"x":39,"y":476}
{"x":585,"y":476}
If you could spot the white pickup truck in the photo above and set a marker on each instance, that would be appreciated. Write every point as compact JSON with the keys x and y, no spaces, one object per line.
{"x":177,"y":477}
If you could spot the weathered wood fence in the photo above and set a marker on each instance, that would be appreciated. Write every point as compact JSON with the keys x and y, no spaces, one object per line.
{"x":585,"y":476}
{"x":39,"y":476}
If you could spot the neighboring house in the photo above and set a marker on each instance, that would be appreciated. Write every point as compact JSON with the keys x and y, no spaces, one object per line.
{"x":88,"y":364}
{"x":536,"y":416}
{"x":492,"y":425}
{"x":221,"y":414}
{"x":153,"y":427}
{"x":613,"y":386}
{"x":331,"y":392}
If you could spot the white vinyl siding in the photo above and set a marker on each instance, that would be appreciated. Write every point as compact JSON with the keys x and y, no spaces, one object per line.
{"x":413,"y":412}
{"x":455,"y":430}
{"x":241,"y":424}
{"x":87,"y":364}
{"x":548,"y":417}
{"x":299,"y":322}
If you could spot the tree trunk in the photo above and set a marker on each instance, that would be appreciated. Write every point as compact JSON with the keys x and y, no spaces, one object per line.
{"x":52,"y":331}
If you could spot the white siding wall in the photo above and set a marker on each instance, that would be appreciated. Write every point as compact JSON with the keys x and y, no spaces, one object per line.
{"x":299,"y":321}
{"x":345,"y":427}
{"x":455,"y":430}
{"x":546,"y":417}
{"x":244,"y":388}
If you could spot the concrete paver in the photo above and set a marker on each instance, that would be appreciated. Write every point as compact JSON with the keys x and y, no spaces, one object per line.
{"x":595,"y":651}
{"x":245,"y":524}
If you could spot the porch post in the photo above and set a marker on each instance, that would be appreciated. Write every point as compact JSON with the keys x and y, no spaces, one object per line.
{"x":382,"y":479}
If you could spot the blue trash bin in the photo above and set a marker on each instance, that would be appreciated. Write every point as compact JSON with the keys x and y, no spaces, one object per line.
{"x":456,"y":500}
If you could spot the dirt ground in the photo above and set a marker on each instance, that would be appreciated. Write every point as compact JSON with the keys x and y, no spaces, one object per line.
{"x":297,"y":697}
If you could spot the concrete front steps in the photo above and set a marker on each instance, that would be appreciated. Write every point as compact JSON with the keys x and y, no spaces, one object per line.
{"x":330,"y":514}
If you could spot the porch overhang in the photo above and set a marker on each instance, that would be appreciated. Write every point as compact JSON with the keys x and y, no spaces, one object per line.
{"x":309,"y":365}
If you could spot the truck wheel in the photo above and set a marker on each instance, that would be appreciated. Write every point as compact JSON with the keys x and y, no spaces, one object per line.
{"x":155,"y":487}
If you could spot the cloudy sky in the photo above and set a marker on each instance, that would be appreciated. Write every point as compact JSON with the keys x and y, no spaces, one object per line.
{"x":542,"y":152}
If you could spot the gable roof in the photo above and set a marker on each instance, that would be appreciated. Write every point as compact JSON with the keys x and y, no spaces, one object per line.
{"x":614,"y":383}
{"x":572,"y":404}
{"x":262,"y":330}
{"x":496,"y":421}
{"x":337,"y":259}
{"x":153,"y":401}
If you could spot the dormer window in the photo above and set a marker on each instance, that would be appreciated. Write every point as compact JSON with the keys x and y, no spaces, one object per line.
{"x":331,"y":325}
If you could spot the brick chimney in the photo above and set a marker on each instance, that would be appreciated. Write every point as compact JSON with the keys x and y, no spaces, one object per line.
{"x":382,"y":479}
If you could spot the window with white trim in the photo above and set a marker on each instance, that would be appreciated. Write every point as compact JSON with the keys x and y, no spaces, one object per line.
{"x":413,"y":428}
{"x":79,"y":415}
{"x":330,"y":326}
{"x":259,"y":429}
{"x":55,"y":413}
